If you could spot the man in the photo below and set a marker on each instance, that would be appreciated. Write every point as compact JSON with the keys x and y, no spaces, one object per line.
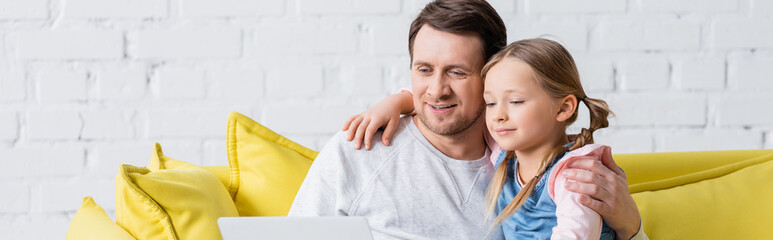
{"x":430,"y":183}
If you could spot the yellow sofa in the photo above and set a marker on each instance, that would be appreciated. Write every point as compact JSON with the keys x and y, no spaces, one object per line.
{"x":703,"y":195}
{"x":689,"y":195}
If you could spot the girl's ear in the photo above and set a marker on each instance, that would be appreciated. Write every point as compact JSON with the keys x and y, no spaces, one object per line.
{"x":567,"y":107}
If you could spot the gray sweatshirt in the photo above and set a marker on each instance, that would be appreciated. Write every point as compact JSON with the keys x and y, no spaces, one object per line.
{"x":409,"y":190}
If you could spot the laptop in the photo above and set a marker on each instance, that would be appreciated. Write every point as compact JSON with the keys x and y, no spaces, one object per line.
{"x":291,"y":228}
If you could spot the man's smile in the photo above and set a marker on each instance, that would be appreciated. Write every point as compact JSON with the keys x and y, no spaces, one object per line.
{"x":441,"y":108}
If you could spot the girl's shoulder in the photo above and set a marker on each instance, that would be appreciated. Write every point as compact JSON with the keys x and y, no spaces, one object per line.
{"x":597,"y":150}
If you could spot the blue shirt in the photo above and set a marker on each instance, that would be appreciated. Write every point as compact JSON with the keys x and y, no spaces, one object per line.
{"x":536,"y":218}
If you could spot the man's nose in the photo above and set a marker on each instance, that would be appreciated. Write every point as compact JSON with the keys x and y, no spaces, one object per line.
{"x":438,"y":86}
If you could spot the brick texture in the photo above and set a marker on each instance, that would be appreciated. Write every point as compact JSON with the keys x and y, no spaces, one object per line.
{"x":68,"y":44}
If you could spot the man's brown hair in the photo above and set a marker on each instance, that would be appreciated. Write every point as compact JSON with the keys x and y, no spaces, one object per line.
{"x":456,"y":16}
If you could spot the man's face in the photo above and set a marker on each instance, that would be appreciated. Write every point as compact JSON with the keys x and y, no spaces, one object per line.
{"x":447,"y":87}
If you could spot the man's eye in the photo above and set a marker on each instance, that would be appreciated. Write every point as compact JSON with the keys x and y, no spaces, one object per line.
{"x":424,"y":70}
{"x":458,"y":74}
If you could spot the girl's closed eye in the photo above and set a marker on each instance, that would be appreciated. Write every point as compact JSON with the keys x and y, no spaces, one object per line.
{"x":516,"y":102}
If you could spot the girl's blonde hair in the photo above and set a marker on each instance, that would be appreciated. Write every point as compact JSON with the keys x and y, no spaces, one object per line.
{"x":555,"y":72}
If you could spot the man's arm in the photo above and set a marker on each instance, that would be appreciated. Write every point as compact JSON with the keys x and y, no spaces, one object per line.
{"x":604,"y":189}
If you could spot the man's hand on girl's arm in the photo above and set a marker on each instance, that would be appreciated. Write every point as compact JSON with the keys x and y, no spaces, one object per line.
{"x":605,"y":190}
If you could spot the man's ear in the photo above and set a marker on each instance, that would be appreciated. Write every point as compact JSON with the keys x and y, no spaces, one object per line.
{"x":567,"y":107}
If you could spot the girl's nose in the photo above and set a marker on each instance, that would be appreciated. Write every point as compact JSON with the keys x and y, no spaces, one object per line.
{"x":501,"y":113}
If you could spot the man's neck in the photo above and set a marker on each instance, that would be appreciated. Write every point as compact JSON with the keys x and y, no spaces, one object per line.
{"x":466,"y":145}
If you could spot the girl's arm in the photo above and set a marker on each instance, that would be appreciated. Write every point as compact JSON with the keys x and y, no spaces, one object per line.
{"x":575,"y":220}
{"x":385,"y":113}
{"x":604,"y":188}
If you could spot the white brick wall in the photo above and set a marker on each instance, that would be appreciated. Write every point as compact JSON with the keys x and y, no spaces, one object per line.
{"x":180,"y":83}
{"x":58,"y":84}
{"x":120,"y":82}
{"x":108,"y":125}
{"x":67,"y":44}
{"x":333,"y":7}
{"x":661,"y":109}
{"x":573,"y":35}
{"x":646,"y":34}
{"x":30,"y":226}
{"x":232,"y":8}
{"x":358,"y":81}
{"x":85,"y":9}
{"x":644,"y":73}
{"x":742,"y":33}
{"x":39,"y":161}
{"x":687,"y":6}
{"x":186,"y":123}
{"x":18,"y":202}
{"x":12,"y":85}
{"x":23,"y":9}
{"x":174,"y":43}
{"x":751,"y":72}
{"x":559,"y":6}
{"x":86,"y":85}
{"x":292,"y":82}
{"x":9,"y":125}
{"x":692,"y":140}
{"x":105,"y":157}
{"x":53,"y":125}
{"x":597,"y":74}
{"x":237,"y":84}
{"x":390,"y":39}
{"x":744,"y":110}
{"x":306,"y":39}
{"x":700,"y":73}
{"x":324,"y":117}
{"x":66,"y":196}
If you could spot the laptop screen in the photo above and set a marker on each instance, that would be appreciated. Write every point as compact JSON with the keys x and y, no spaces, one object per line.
{"x":290,"y":228}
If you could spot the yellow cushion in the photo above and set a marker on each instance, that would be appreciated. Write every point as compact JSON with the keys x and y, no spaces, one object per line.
{"x":266,"y":168}
{"x":160,"y":161}
{"x":171,"y":204}
{"x":650,"y":167}
{"x":91,"y":222}
{"x":731,"y":201}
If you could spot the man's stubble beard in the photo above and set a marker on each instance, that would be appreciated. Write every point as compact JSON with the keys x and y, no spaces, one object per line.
{"x":457,"y":126}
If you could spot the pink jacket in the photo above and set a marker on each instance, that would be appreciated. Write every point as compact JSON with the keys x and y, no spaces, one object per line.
{"x":575,"y":221}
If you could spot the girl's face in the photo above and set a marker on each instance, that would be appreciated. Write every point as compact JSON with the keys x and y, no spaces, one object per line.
{"x":520,"y":115}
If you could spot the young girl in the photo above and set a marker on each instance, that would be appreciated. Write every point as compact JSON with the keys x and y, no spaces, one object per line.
{"x":532,"y":90}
